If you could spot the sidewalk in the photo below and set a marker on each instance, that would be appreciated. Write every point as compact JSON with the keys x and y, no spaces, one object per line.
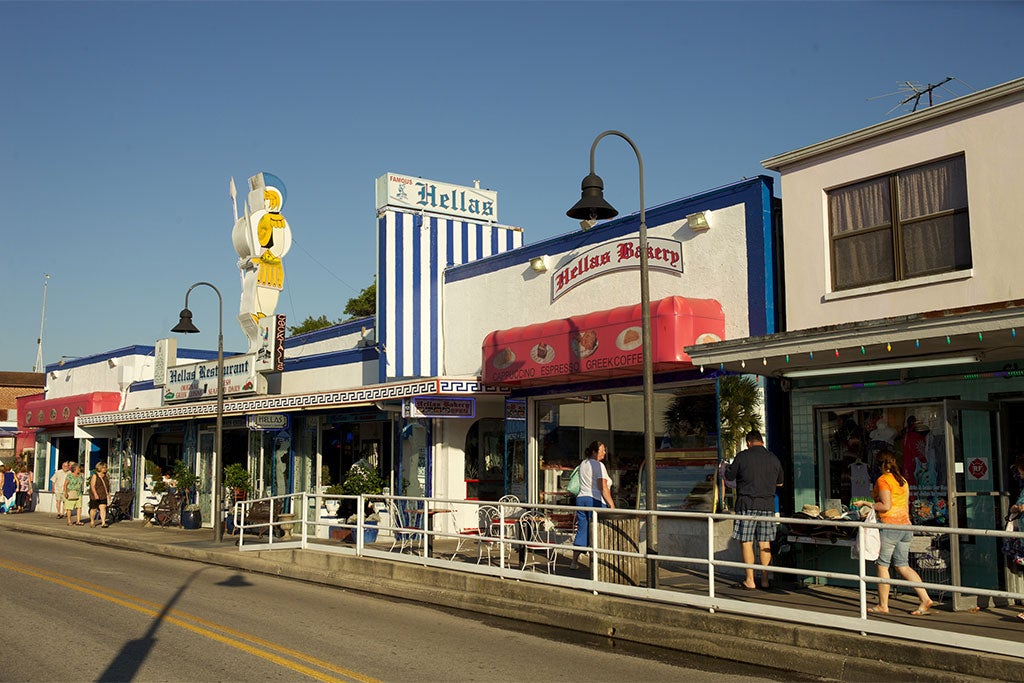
{"x":805,"y":648}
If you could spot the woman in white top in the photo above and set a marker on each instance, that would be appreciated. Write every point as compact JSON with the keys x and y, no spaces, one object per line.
{"x":595,"y":492}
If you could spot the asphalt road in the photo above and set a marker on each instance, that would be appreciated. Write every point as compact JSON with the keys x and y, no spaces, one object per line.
{"x":78,"y":612}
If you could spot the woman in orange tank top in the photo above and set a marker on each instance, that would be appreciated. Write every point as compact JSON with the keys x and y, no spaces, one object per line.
{"x":892,"y":504}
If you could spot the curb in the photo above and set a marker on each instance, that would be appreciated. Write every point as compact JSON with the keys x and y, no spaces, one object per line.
{"x":800,"y":648}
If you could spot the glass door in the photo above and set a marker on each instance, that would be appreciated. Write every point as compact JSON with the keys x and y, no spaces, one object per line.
{"x":974,"y":463}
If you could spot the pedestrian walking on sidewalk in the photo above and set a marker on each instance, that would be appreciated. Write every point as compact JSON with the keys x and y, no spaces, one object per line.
{"x":99,"y":494}
{"x":758,"y":474}
{"x":73,"y":485}
{"x":594,"y":493}
{"x":57,"y":486}
{"x":892,"y":504}
{"x":9,"y":486}
{"x":24,"y":482}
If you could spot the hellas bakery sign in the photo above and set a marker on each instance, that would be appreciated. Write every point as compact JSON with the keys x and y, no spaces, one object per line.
{"x":623,"y":254}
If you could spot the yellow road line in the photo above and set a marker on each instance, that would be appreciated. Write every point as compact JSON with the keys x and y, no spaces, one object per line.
{"x":137,"y":604}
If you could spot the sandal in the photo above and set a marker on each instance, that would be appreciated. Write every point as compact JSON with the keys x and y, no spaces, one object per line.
{"x":876,"y":610}
{"x":104,"y":526}
{"x":79,"y":523}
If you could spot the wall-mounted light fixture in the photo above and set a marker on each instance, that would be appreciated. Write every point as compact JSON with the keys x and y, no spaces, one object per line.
{"x":539,"y":264}
{"x":698,"y":221}
{"x":879,"y":367}
{"x":53,"y":374}
{"x":112,"y":362}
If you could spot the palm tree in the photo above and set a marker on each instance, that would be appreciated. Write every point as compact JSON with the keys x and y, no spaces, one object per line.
{"x":694,"y":414}
{"x":739,"y":403}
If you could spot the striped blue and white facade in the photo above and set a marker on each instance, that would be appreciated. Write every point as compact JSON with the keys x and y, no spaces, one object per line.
{"x":413,"y":250}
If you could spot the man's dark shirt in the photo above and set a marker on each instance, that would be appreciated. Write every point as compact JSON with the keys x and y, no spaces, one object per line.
{"x":758,"y":473}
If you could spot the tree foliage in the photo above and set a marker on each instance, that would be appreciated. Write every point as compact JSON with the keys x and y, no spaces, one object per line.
{"x":311,"y":324}
{"x":364,"y":305}
{"x":739,"y":403}
{"x":688,"y":418}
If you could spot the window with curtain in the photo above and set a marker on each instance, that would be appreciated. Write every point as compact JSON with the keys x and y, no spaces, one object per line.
{"x":899,"y":226}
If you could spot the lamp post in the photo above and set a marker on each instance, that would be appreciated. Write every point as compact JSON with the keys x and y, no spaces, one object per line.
{"x":592,"y":207}
{"x":185,"y":326}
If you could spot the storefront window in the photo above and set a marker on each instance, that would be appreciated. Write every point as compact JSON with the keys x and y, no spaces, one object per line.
{"x":515,"y":448}
{"x":684,"y":420}
{"x":485,"y":460}
{"x":852,"y":438}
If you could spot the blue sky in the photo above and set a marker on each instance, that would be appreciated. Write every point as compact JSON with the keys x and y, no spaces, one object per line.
{"x":124,"y":121}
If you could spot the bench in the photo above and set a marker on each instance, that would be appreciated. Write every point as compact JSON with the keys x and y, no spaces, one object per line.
{"x":258,"y":513}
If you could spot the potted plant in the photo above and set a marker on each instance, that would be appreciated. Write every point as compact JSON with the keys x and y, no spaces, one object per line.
{"x":332,"y":505}
{"x":191,"y":516}
{"x":188,"y":485}
{"x":237,"y":479}
{"x":363,"y":480}
{"x":186,"y":480}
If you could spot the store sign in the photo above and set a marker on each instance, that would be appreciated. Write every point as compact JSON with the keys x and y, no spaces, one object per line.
{"x":165,"y":353}
{"x":198,"y":381}
{"x":270,"y":344}
{"x":515,"y":410}
{"x":267,"y":422}
{"x":427,"y":406}
{"x":663,"y":255}
{"x":410,"y":192}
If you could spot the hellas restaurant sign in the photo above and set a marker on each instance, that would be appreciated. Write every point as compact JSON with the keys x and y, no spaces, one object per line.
{"x":199,"y":380}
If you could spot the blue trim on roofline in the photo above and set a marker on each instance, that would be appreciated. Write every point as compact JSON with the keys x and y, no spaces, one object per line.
{"x":135,"y":350}
{"x":664,"y":213}
{"x":331,"y":359}
{"x":332,"y":332}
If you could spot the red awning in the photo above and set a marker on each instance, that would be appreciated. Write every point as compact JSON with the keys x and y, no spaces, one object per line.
{"x":59,"y":412}
{"x":602,"y":344}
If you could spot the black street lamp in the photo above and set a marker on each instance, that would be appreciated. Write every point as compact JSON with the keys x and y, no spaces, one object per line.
{"x":185,"y":326}
{"x":592,"y":207}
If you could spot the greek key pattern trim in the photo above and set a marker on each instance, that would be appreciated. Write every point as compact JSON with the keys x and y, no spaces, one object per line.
{"x":331,"y":399}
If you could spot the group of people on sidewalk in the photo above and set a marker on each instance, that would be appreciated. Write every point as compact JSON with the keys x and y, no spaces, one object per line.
{"x":69,"y":487}
{"x":15,"y":487}
{"x":758,"y":473}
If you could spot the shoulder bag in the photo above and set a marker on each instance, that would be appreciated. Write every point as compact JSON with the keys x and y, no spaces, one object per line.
{"x":573,"y":486}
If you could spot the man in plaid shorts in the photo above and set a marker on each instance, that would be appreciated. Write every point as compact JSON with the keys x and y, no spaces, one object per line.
{"x":757,"y":473}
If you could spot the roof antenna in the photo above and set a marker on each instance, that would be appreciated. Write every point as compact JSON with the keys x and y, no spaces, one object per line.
{"x":917,"y":91}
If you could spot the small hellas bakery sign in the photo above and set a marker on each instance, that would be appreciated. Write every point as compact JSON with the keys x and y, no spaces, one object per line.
{"x":622,"y":254}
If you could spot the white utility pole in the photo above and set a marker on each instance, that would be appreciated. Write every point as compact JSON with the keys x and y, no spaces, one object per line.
{"x":38,"y":367}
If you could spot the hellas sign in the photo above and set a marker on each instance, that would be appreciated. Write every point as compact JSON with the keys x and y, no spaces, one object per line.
{"x":419,"y":194}
{"x":199,"y":380}
{"x":622,"y":254}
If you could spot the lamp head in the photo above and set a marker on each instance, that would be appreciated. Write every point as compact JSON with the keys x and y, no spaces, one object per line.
{"x":185,"y":325}
{"x":592,"y":205}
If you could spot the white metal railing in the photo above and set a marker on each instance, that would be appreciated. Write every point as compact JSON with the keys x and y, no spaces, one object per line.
{"x":312,"y":535}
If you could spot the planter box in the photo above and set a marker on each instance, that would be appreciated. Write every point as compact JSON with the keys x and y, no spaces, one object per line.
{"x":191,"y":519}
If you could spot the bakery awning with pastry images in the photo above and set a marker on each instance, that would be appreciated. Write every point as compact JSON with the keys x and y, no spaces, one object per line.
{"x":61,"y":412}
{"x":602,"y":344}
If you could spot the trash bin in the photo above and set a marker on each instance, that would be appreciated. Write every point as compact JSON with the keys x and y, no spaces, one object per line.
{"x":616,"y":531}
